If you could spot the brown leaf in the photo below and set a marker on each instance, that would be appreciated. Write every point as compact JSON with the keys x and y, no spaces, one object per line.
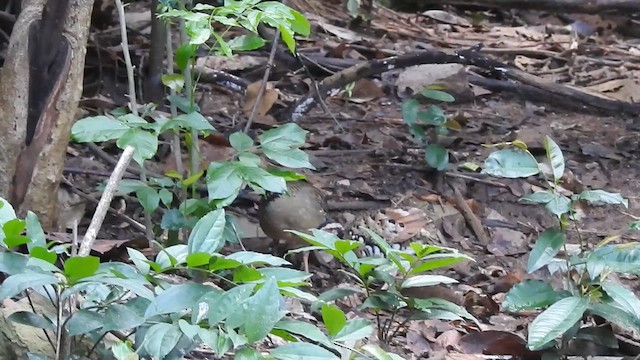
{"x":268,"y":98}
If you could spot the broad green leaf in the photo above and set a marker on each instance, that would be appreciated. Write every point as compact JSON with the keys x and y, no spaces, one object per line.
{"x":227,"y":303}
{"x":623,"y":298}
{"x":437,"y":95}
{"x":224,"y":180}
{"x":241,"y":142}
{"x":206,"y":236}
{"x":254,"y":258}
{"x":262,"y":178}
{"x":355,"y":329}
{"x":305,"y":329}
{"x":144,"y":143}
{"x":97,"y":129}
{"x":437,"y":261}
{"x":616,"y":315}
{"x":246,"y":43}
{"x":434,"y":305}
{"x":79,"y":267}
{"x":160,"y":339}
{"x":530,"y":295}
{"x":216,"y":339}
{"x":176,"y":298}
{"x":84,"y":321}
{"x":192,"y":120}
{"x":333,"y":318}
{"x":377,"y":352}
{"x":171,"y":256}
{"x":139,"y":260}
{"x":603,"y":197}
{"x":264,"y":311}
{"x":410,"y":110}
{"x":44,"y":254}
{"x":166,"y":196}
{"x":555,"y":321}
{"x":31,"y":319}
{"x":511,"y":163}
{"x":616,"y":258}
{"x":436,"y":156}
{"x":302,"y":351}
{"x":173,"y":81}
{"x":6,"y":211}
{"x":149,"y":199}
{"x":285,"y":276}
{"x":546,"y":247}
{"x":34,"y":232}
{"x":555,"y":157}
{"x":427,"y":280}
{"x":12,"y":263}
{"x":434,"y":116}
{"x":119,"y":317}
{"x":14,"y":284}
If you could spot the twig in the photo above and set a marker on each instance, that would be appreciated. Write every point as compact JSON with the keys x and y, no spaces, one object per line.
{"x":265,"y":78}
{"x":471,"y":218}
{"x":105,"y":200}
{"x":133,"y":103}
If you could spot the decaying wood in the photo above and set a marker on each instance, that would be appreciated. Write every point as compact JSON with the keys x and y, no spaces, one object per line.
{"x":576,"y":6}
{"x":33,"y":168}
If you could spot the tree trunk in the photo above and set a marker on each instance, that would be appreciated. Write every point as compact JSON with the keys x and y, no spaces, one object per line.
{"x":36,"y":118}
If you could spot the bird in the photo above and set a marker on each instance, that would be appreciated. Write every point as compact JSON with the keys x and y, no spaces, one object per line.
{"x":301,"y":208}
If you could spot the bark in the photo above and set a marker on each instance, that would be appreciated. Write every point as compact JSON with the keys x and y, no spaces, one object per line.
{"x":32,"y":171}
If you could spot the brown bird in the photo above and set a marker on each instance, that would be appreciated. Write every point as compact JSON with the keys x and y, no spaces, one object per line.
{"x":302,"y":208}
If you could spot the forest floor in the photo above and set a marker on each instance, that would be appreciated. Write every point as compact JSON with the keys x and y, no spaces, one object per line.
{"x":375,"y":161}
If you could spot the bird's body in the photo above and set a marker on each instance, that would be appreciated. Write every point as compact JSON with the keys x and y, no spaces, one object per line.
{"x":302,"y":208}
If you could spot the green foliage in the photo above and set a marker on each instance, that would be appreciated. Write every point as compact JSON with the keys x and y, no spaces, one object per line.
{"x":587,"y":289}
{"x":171,"y":319}
{"x":427,"y":126}
{"x":398,"y":270}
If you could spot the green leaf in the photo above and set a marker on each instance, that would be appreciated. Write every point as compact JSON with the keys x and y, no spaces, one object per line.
{"x":14,"y":284}
{"x":555,"y":321}
{"x":224,"y":180}
{"x":262,"y":178}
{"x":44,"y":254}
{"x":173,"y":81}
{"x":34,"y":232}
{"x":437,"y":261}
{"x":300,"y":350}
{"x":79,"y":267}
{"x":434,"y":116}
{"x":206,"y":236}
{"x":556,"y":159}
{"x":333,"y":318}
{"x":511,"y":163}
{"x":616,"y":315}
{"x":172,"y":256}
{"x":353,"y":330}
{"x":436,"y":156}
{"x":623,"y":298}
{"x":13,"y":227}
{"x":119,"y":317}
{"x":31,"y":319}
{"x":144,"y":143}
{"x":97,"y":129}
{"x":437,"y":95}
{"x":603,"y":197}
{"x":546,"y":247}
{"x":426,"y":280}
{"x":616,"y":258}
{"x":149,"y":199}
{"x":160,"y":339}
{"x":192,"y":120}
{"x":263,"y":310}
{"x":530,"y":295}
{"x":305,"y":329}
{"x":215,"y":339}
{"x":184,"y":53}
{"x":282,"y":146}
{"x":241,"y":142}
{"x":246,"y":42}
{"x":84,"y":321}
{"x":176,"y":298}
{"x":410,"y":109}
{"x":12,"y":263}
{"x":224,"y":305}
{"x":139,"y":260}
{"x":254,"y":258}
